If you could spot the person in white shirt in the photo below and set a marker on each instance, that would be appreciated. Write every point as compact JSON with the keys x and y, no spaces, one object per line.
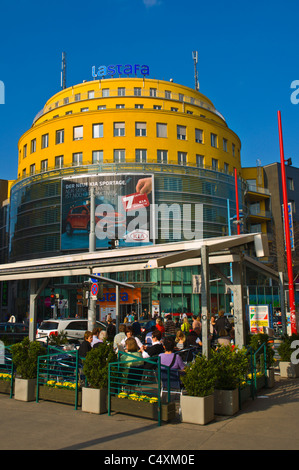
{"x":129,"y":334}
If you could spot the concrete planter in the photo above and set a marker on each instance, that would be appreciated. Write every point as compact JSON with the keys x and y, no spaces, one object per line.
{"x":59,"y":395}
{"x":143,"y":409}
{"x":5,"y":386}
{"x":289,"y":370}
{"x":94,"y":400}
{"x":270,"y":378}
{"x":25,"y":389}
{"x":226,"y":402}
{"x":197,"y":410}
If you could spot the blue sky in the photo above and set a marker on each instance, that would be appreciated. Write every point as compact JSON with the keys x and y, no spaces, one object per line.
{"x":248,"y":58}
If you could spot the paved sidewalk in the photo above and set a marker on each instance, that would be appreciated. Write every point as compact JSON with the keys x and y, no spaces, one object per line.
{"x":269,"y":422}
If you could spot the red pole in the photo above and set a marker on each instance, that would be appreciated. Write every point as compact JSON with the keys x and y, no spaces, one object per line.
{"x":287,"y":232}
{"x":237,"y":202}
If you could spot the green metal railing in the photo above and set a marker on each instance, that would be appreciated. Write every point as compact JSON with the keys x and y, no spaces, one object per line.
{"x":257,"y":367}
{"x":7,"y":368}
{"x":59,"y":367}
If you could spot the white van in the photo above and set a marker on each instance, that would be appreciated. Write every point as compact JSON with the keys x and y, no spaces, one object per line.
{"x":73,"y":327}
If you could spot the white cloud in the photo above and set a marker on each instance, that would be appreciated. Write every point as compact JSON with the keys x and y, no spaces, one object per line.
{"x":151,"y":3}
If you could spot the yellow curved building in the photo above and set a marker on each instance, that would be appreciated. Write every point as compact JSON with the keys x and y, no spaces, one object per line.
{"x":128,"y":120}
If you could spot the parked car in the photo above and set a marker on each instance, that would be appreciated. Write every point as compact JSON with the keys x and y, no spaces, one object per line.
{"x":74,"y":328}
{"x":78,"y":218}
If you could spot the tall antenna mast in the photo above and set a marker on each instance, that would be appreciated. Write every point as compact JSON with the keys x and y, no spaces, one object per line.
{"x":63,"y":71}
{"x":195,"y":58}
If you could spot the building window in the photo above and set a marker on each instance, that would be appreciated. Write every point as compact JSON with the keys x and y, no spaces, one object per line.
{"x":214,"y":140}
{"x":157,"y":106}
{"x":175,"y":110}
{"x":140,"y":129}
{"x":137,"y":91}
{"x":181,"y":97}
{"x":24,"y":173}
{"x":121,"y":91}
{"x":97,"y":131}
{"x":59,"y":161}
{"x":226,"y":167}
{"x":105,"y":92}
{"x":119,"y":129}
{"x":225,"y":145}
{"x":138,"y":106}
{"x":161,"y":130}
{"x":153,"y":92}
{"x":97,"y":156}
{"x":78,"y":97}
{"x":60,"y":136}
{"x":200,"y":161}
{"x":215,"y":164}
{"x":77,"y":158}
{"x":84,"y":110}
{"x":167,"y":94}
{"x":69,"y":112}
{"x":234,"y":150}
{"x":199,"y":136}
{"x":119,"y":106}
{"x":66,"y":100}
{"x":90,"y":94}
{"x":181,"y":132}
{"x":44,"y":165}
{"x":103,"y":106}
{"x":140,"y":155}
{"x":290,"y":184}
{"x":119,"y":155}
{"x":25,"y":151}
{"x":45,"y":141}
{"x":78,"y":133}
{"x":33,"y":146}
{"x":162,"y":156}
{"x":182,"y":158}
{"x":32,"y":169}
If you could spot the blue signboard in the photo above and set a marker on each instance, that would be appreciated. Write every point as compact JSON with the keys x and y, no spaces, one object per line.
{"x":119,"y":69}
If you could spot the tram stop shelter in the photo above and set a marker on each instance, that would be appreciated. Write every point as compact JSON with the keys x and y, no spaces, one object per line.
{"x":210,"y":253}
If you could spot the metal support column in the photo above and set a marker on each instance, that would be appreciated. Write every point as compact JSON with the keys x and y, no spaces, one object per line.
{"x":92,"y":305}
{"x":34,"y":292}
{"x":239,"y":312}
{"x":282,"y":303}
{"x":205,"y":300}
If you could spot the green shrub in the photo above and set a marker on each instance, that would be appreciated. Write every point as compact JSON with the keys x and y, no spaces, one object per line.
{"x":231,"y":365}
{"x":200,"y":377}
{"x":256,"y":341}
{"x":96,"y":365}
{"x":25,"y":356}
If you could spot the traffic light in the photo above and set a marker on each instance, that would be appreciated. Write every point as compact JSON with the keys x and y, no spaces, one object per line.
{"x":111,"y":244}
{"x":53,"y":297}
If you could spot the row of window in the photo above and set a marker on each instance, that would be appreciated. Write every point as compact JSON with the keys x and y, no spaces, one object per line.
{"x":119,"y":129}
{"x":119,"y":156}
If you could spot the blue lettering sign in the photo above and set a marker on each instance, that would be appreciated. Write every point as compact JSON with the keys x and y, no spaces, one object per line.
{"x":119,"y":69}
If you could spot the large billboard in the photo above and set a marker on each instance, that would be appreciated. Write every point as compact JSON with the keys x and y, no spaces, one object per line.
{"x":123,"y":210}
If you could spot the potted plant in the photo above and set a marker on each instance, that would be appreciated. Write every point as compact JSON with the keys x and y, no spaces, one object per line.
{"x":95,"y":369}
{"x":197,"y":406}
{"x":232,"y":366}
{"x":285,"y":351}
{"x":24,"y":358}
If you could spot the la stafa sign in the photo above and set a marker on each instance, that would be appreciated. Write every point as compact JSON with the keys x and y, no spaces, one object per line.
{"x":119,"y":69}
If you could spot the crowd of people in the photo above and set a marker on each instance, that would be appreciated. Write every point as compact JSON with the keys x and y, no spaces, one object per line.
{"x":166,"y":337}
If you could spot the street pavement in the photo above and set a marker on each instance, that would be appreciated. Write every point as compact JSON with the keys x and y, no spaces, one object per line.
{"x":270,"y":422}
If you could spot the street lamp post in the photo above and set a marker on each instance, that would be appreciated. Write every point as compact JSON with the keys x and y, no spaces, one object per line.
{"x":287,"y":232}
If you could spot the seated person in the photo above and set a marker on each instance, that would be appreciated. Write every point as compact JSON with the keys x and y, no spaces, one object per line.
{"x":129,"y":334}
{"x":119,"y":337}
{"x":85,"y":346}
{"x":148,"y":337}
{"x":180,"y":340}
{"x":153,"y":350}
{"x":168,"y":358}
{"x":223,"y":338}
{"x":132,"y":349}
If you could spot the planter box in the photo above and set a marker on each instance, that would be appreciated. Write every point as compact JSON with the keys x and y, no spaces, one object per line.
{"x":226,"y":402}
{"x":25,"y":389}
{"x":197,"y":410}
{"x":270,"y":378}
{"x":245,"y":394}
{"x":94,"y":400}
{"x":289,"y":370}
{"x":59,"y":395}
{"x":4,"y":386}
{"x":260,"y":382}
{"x":143,"y":409}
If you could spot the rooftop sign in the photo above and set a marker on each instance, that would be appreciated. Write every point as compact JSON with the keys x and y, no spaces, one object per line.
{"x":119,"y":69}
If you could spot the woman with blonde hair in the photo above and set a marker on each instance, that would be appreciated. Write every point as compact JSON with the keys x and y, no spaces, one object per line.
{"x":185,"y":327}
{"x":180,"y":340}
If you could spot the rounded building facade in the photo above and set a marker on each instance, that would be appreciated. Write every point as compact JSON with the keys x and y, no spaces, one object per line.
{"x":124,"y":126}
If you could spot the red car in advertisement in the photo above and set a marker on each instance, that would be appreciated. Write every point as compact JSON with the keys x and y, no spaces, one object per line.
{"x":78,"y":218}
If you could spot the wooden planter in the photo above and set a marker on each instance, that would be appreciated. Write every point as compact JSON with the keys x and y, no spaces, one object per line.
{"x":5,"y":386}
{"x":94,"y":400}
{"x":59,"y":395}
{"x":197,"y":410}
{"x":143,"y":409}
{"x":226,"y":402}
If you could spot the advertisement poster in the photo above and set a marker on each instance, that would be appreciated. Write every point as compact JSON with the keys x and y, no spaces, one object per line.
{"x":258,"y":317}
{"x":123,"y":210}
